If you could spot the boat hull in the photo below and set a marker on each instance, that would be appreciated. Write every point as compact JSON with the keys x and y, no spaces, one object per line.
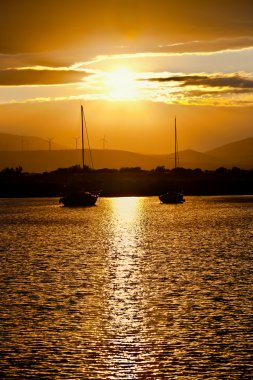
{"x":79,"y":200}
{"x":172,"y":198}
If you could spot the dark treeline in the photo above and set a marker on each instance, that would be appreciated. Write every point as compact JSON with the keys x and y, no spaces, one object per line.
{"x":125,"y":181}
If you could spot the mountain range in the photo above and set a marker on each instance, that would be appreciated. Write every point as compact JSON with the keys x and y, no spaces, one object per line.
{"x":38,"y":158}
{"x":9,"y":142}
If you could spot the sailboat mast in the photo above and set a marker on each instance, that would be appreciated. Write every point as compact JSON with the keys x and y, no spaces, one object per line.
{"x":82,"y":137}
{"x":175,"y":143}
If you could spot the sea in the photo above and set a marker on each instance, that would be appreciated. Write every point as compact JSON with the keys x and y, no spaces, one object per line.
{"x":127,"y":289}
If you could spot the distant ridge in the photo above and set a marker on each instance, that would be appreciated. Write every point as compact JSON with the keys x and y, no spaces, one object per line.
{"x":9,"y":142}
{"x":238,"y":154}
{"x":40,"y":161}
{"x":190,"y":159}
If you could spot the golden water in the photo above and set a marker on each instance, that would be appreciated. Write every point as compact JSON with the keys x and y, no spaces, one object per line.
{"x":128,"y":289}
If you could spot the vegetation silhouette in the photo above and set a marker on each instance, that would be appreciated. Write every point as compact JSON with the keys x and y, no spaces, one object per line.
{"x":127,"y":181}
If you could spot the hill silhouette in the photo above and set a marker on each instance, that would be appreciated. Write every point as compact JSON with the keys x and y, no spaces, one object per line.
{"x":40,"y":161}
{"x":190,"y":159}
{"x":237,"y":154}
{"x":10,"y":142}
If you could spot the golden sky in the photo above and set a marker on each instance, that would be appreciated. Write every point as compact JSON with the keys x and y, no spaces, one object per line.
{"x":134,"y":64}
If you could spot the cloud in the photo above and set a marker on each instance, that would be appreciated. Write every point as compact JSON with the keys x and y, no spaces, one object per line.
{"x":214,"y":92}
{"x":214,"y":80}
{"x":84,"y":57}
{"x":208,"y":46}
{"x":199,"y":89}
{"x":46,"y":25}
{"x":52,"y":60}
{"x":29,"y":76}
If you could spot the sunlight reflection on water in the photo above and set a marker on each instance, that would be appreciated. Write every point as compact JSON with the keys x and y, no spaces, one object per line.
{"x":128,"y":289}
{"x":125,"y":290}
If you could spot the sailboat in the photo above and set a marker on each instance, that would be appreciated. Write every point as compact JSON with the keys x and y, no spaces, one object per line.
{"x":79,"y":198}
{"x":173,"y":197}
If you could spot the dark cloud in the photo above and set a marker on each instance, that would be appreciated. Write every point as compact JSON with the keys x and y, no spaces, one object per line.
{"x":235,"y":81}
{"x":39,"y":77}
{"x":45,"y":25}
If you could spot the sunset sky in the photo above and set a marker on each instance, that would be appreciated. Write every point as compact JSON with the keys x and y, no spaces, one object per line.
{"x":134,"y":65}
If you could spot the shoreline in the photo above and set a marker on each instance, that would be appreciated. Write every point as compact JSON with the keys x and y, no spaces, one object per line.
{"x":126,"y":182}
{"x":246,"y":197}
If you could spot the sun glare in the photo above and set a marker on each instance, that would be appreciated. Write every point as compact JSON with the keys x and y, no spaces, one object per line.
{"x":121,"y":84}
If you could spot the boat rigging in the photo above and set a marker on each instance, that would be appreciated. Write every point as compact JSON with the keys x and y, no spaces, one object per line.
{"x":173,"y":196}
{"x":81,"y":198}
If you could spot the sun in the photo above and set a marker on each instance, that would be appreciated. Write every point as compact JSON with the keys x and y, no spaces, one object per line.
{"x":121,"y":84}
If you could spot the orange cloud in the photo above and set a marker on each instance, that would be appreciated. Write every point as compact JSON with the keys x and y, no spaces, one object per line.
{"x":46,"y":25}
{"x":23,"y":77}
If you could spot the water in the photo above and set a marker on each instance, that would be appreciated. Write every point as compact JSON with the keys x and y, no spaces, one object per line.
{"x":128,"y":289}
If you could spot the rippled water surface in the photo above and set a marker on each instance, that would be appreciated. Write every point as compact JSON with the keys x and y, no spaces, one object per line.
{"x":128,"y":289}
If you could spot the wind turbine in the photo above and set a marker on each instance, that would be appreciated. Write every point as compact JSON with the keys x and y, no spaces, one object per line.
{"x":76,"y":140}
{"x":49,"y":140}
{"x":103,"y":142}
